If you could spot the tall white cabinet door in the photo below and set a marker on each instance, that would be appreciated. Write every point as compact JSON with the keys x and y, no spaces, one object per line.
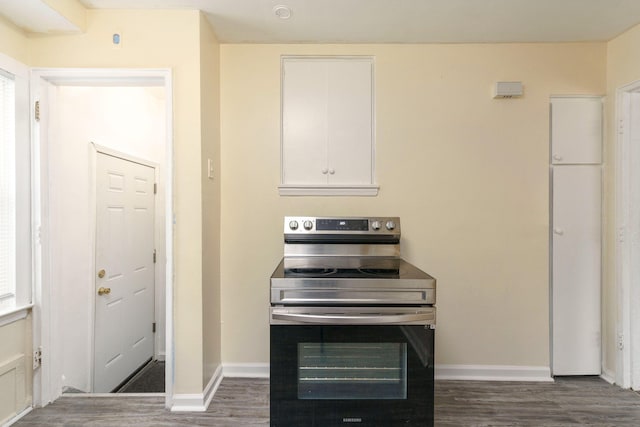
{"x":304,"y":128}
{"x":576,"y":245}
{"x":576,"y":130}
{"x":349,"y":119}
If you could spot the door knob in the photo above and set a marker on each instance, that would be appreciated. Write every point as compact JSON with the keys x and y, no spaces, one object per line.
{"x":101,"y":273}
{"x":104,"y":291}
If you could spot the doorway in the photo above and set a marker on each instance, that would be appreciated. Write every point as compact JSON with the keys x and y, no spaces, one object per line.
{"x":628,"y":236}
{"x":128,"y":112}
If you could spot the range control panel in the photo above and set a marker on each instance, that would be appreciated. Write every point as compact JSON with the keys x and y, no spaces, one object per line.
{"x":346,"y":225}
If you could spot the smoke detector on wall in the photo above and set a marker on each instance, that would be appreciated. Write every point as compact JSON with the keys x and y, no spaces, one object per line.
{"x":508,"y":90}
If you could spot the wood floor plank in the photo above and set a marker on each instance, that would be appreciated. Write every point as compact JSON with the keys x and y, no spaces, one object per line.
{"x":571,"y":401}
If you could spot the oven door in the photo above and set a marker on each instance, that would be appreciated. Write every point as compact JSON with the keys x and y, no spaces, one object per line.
{"x":358,"y":374}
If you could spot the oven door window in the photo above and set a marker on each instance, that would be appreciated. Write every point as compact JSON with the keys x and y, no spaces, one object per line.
{"x":352,"y":371}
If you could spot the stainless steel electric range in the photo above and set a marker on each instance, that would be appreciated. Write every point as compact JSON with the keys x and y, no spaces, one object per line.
{"x":352,"y":327}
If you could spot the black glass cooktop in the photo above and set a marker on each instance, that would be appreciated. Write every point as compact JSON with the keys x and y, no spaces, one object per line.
{"x":347,"y":273}
{"x":364,"y":268}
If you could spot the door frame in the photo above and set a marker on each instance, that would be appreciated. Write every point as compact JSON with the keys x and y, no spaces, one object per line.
{"x":627,"y":242}
{"x":43,"y":390}
{"x":99,"y":149}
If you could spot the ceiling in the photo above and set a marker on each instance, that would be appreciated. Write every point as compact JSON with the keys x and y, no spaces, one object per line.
{"x":375,"y":21}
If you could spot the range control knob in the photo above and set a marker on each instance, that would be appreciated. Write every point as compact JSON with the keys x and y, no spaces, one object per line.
{"x":308,"y":225}
{"x":293,"y":225}
{"x":376,"y":225}
{"x":390,"y":225}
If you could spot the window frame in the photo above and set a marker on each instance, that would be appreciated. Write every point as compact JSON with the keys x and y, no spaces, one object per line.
{"x":23,"y":178}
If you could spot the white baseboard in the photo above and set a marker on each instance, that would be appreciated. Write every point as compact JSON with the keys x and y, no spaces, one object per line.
{"x":493,"y":373}
{"x":246,"y":370}
{"x":442,"y":372}
{"x":200,"y":401}
{"x":608,"y":376}
{"x":161,"y":357}
{"x":17,"y":418}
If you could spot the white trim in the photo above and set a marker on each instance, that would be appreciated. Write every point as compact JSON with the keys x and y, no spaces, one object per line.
{"x":246,"y":370}
{"x":198,"y":402}
{"x":328,"y":190}
{"x":493,"y":373}
{"x":14,"y":315}
{"x":627,"y":236}
{"x":42,"y":392}
{"x":608,"y":376}
{"x":22,"y":292}
{"x":18,"y":417}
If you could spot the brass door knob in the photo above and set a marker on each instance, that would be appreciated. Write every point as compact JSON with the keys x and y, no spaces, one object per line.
{"x":104,"y":291}
{"x":101,"y":273}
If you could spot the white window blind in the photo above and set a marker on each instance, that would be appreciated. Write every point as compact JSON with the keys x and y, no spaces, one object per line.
{"x":7,"y":190}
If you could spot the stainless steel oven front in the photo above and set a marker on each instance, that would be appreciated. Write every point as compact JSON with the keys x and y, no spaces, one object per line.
{"x":351,"y":328}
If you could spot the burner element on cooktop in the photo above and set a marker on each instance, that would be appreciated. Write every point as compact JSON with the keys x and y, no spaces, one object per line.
{"x":311,"y":272}
{"x":380,"y":271}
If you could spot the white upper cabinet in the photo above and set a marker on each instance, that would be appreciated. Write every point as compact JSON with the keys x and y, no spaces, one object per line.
{"x":327,"y":126}
{"x":576,"y":130}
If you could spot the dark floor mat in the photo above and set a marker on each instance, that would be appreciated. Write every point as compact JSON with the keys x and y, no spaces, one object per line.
{"x":149,"y":380}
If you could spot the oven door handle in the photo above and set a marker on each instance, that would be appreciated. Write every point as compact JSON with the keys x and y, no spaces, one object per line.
{"x":357,"y":319}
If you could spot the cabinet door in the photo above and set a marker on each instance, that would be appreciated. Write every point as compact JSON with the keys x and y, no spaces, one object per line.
{"x":349,"y":144}
{"x":576,"y":245}
{"x":576,"y":130}
{"x":304,"y":124}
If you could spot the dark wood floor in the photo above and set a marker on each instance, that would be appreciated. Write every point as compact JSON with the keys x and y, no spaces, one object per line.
{"x":583,"y":401}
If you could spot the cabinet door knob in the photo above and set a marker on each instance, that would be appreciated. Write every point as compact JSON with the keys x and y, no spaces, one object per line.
{"x":557,"y":157}
{"x":331,"y":171}
{"x":324,"y":171}
{"x":558,"y":231}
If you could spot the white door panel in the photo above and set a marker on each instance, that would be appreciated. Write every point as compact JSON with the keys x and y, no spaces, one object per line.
{"x":124,"y":315}
{"x":576,"y":130}
{"x":576,"y":243}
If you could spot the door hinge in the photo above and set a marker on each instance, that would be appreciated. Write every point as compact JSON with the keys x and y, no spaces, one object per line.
{"x":153,"y":327}
{"x":37,"y":358}
{"x":37,"y":111}
{"x":155,"y":188}
{"x":154,"y":256}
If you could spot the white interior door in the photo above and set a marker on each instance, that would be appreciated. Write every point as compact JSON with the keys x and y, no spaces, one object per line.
{"x":124,"y":285}
{"x":576,"y":269}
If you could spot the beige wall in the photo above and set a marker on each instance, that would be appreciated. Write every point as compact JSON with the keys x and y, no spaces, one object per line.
{"x":16,"y":371}
{"x":623,"y":67}
{"x":210,"y":117}
{"x":467,"y":174}
{"x":158,"y":39}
